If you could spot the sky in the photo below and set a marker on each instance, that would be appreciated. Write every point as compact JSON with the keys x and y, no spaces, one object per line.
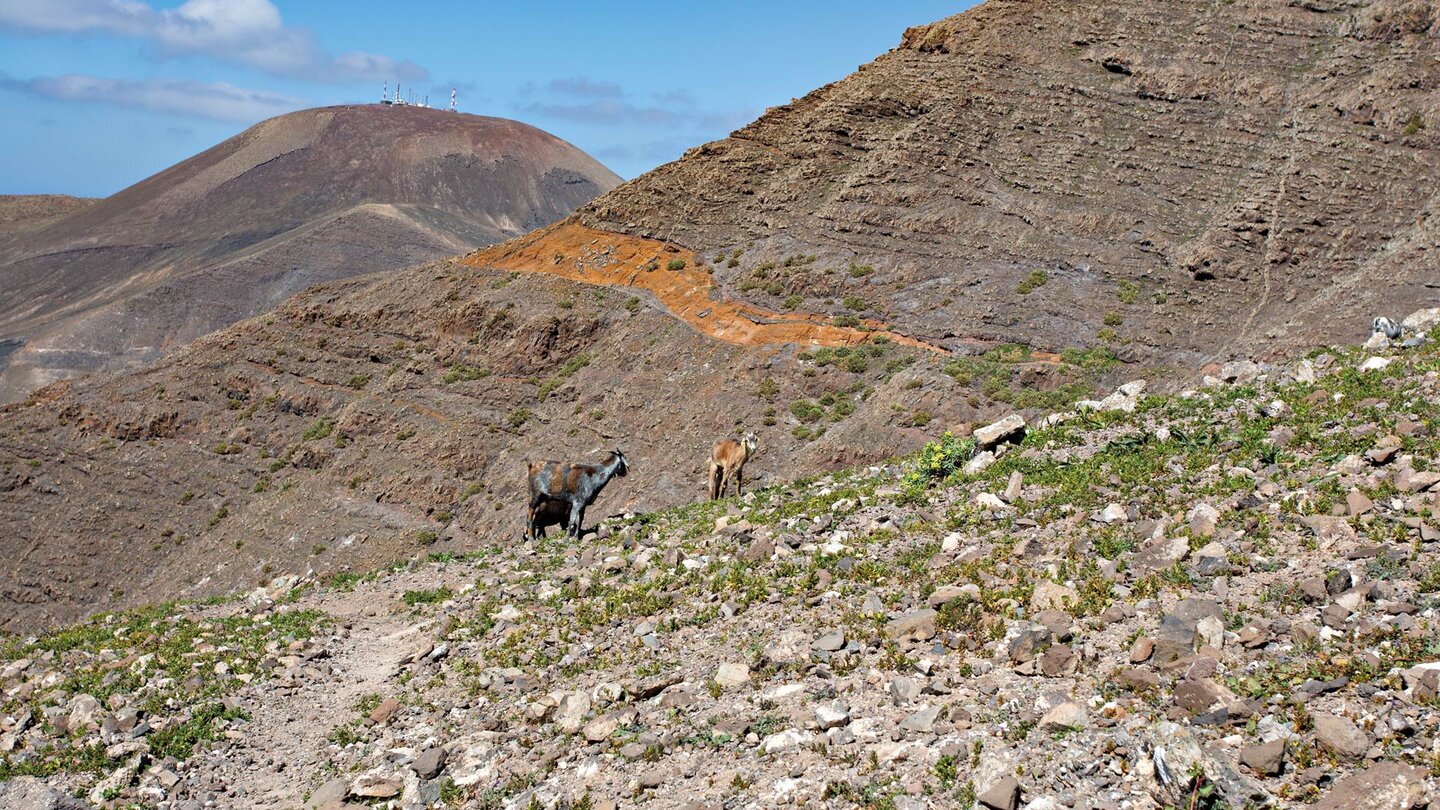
{"x":98,"y":94}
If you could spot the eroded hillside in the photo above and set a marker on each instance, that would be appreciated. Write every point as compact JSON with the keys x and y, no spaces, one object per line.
{"x":370,"y":420}
{"x":1188,"y":181}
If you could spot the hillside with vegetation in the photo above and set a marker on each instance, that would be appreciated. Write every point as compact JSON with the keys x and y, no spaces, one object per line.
{"x":1223,"y":597}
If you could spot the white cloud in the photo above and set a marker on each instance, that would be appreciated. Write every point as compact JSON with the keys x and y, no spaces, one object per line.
{"x":581,"y":86}
{"x":248,"y":32}
{"x":223,"y":102}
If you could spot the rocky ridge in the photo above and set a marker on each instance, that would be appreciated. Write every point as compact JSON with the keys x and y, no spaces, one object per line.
{"x":1184,"y":181}
{"x":1226,"y":595}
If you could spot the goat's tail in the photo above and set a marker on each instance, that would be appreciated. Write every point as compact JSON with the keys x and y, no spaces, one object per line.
{"x":715,"y":475}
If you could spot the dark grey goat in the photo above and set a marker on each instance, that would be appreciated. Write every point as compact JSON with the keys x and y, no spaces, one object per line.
{"x":555,"y":485}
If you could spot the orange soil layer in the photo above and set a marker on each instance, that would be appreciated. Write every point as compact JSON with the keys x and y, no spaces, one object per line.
{"x":570,"y":250}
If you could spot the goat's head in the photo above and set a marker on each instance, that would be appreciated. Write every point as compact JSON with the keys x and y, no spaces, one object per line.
{"x":750,"y":442}
{"x":621,"y":467}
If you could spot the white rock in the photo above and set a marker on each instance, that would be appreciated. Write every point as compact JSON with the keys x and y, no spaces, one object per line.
{"x":995,"y":432}
{"x":1114,"y":513}
{"x":1421,"y":320}
{"x":1210,"y":632}
{"x":832,"y":715}
{"x":732,"y":674}
{"x":978,"y":464}
{"x":787,"y":740}
{"x":988,"y":500}
{"x":1375,"y":364}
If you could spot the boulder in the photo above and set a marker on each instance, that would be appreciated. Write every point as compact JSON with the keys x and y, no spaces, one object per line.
{"x":1052,"y":596}
{"x":1009,"y":429}
{"x":1266,"y":759}
{"x":1239,"y":371}
{"x":1003,"y":795}
{"x":571,"y":710}
{"x":732,"y":674}
{"x":917,"y":625}
{"x":1382,"y":786}
{"x":1421,"y":320}
{"x":832,"y":715}
{"x":1340,"y":736}
{"x":1067,"y":716}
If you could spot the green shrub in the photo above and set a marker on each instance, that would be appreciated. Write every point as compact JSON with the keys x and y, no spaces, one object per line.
{"x":1032,"y":282}
{"x":768,"y":390}
{"x":1113,"y":318}
{"x":358,"y":380}
{"x":938,"y":460}
{"x":460,"y":372}
{"x":675,"y":265}
{"x":429,"y":597}
{"x":1128,"y":292}
{"x":321,"y":429}
{"x":517,"y":417}
{"x":854,"y":302}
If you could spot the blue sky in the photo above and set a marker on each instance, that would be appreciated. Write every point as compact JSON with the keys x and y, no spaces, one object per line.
{"x":98,"y":94}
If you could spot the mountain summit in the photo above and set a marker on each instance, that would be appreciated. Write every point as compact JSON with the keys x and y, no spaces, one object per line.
{"x":307,"y":197}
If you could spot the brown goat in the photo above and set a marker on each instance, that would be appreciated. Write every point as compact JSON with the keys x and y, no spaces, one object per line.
{"x":727,"y":460}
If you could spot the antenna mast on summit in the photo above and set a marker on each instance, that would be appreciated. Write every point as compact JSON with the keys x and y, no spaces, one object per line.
{"x":452,"y":99}
{"x":385,"y":93}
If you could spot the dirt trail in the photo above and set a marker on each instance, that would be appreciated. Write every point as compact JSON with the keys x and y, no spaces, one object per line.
{"x":285,"y":740}
{"x":573,"y":251}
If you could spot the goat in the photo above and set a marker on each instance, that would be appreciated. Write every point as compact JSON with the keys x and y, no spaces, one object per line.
{"x":727,"y":458}
{"x":563,"y":488}
{"x":1386,"y":327}
{"x":550,"y":513}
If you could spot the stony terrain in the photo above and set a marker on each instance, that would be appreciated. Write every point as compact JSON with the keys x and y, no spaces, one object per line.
{"x":1188,"y":181}
{"x":307,"y":197}
{"x":1221,"y":598}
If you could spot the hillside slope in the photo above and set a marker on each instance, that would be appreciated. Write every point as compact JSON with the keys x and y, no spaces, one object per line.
{"x":307,"y":197}
{"x":1227,"y":598}
{"x":21,"y":213}
{"x":1193,"y":180}
{"x":370,"y":419}
{"x":804,"y":277}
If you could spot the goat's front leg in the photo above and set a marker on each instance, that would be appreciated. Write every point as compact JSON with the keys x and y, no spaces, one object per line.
{"x":739,"y":481}
{"x":577,"y":520}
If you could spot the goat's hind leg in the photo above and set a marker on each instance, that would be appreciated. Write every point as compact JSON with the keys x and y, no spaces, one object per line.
{"x":533,"y":531}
